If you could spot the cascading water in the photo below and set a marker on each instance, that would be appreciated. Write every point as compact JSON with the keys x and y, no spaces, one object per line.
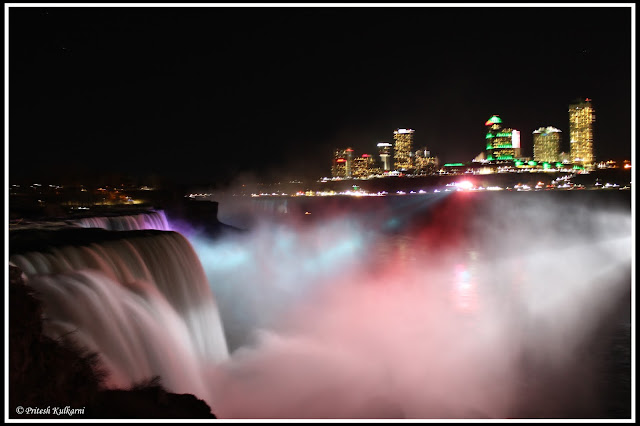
{"x":147,"y":220}
{"x":466,"y":310}
{"x":142,"y":303}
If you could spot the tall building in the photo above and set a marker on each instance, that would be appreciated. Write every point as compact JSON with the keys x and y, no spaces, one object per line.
{"x":384,"y":150}
{"x":342,"y":163}
{"x":581,"y":119}
{"x":546,"y":145}
{"x":402,"y":149}
{"x":363,"y":166}
{"x":423,"y":162}
{"x":503,"y":143}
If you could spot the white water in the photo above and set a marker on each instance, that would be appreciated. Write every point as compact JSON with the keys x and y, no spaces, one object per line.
{"x":337,"y":321}
{"x":147,"y":220}
{"x":143,"y":304}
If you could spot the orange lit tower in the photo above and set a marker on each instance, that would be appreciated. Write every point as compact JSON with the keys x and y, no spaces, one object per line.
{"x":581,"y":119}
{"x":403,"y":149}
{"x":342,"y":163}
{"x":546,"y":144}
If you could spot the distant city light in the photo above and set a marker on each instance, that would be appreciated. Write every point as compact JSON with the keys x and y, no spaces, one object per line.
{"x":465,"y":184}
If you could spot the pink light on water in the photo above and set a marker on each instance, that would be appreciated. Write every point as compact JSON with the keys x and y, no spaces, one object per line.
{"x":465,"y":184}
{"x":414,"y":325}
{"x":464,"y":292}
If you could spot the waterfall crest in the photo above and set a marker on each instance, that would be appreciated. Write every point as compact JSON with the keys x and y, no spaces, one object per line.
{"x":146,"y":220}
{"x":142,"y":303}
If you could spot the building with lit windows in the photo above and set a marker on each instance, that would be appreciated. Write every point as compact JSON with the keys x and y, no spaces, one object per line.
{"x":403,"y":144}
{"x":342,"y":163}
{"x":502,"y":143}
{"x":423,"y":162}
{"x":581,"y":119}
{"x":364,"y":166}
{"x":546,"y":145}
{"x":384,"y":151}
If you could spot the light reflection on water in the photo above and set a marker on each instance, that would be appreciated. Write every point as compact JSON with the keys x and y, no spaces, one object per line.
{"x":464,"y":291}
{"x":403,"y":252}
{"x":509,"y":296}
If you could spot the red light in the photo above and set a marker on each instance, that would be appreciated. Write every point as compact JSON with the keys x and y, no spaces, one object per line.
{"x":588,"y":100}
{"x":341,"y":160}
{"x":365,"y":155}
{"x":488,"y":123}
{"x":349,"y":150}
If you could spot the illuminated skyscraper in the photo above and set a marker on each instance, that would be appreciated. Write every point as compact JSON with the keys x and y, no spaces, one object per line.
{"x":423,"y":161}
{"x":546,"y":144}
{"x":402,"y":149}
{"x":384,"y":150}
{"x":342,"y":163}
{"x":581,"y":119}
{"x":502,"y":143}
{"x":363,"y":166}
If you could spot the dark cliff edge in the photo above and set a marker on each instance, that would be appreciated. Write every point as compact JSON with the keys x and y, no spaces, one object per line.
{"x":66,"y":382}
{"x":200,"y":216}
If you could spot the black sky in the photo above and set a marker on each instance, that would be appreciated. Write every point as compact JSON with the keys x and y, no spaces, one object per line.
{"x":205,"y":94}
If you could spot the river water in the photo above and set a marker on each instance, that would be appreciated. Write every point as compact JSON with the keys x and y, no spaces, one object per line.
{"x":454,"y":305}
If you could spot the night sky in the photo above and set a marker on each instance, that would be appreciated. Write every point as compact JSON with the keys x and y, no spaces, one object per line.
{"x":207,"y":94}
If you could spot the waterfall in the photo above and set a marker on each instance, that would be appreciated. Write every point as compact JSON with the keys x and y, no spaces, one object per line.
{"x":147,"y":220}
{"x":142,"y":303}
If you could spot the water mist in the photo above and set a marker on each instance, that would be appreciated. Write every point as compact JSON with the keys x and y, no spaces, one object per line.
{"x":487,"y":312}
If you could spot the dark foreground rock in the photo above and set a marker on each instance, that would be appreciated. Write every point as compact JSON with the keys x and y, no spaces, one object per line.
{"x":149,"y":401}
{"x":49,"y":375}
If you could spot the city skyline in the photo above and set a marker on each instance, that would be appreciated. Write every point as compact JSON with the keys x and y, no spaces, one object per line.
{"x":502,"y":143}
{"x":207,"y":94}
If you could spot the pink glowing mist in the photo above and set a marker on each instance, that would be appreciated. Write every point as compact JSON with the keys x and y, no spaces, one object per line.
{"x":467,"y":314}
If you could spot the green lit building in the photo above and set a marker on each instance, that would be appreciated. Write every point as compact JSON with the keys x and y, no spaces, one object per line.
{"x":502,"y":143}
{"x":546,"y":145}
{"x":581,"y":119}
{"x":403,"y":144}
